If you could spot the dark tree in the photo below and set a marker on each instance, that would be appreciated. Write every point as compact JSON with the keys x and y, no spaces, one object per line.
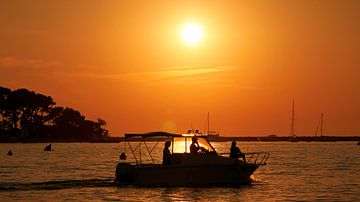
{"x":4,"y":94}
{"x":29,"y":114}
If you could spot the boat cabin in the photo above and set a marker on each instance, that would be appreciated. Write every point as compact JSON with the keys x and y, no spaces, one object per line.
{"x":142,"y":147}
{"x":180,"y":145}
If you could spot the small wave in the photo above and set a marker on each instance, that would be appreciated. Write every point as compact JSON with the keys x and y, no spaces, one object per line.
{"x":256,"y":180}
{"x":55,"y":185}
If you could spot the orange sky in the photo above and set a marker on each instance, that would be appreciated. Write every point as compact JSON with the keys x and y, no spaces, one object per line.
{"x":124,"y":61}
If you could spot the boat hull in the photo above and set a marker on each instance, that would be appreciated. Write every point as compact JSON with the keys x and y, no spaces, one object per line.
{"x":179,"y":175}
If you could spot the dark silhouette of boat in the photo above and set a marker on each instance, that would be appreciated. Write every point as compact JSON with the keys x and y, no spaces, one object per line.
{"x":10,"y":153}
{"x":207,"y":168}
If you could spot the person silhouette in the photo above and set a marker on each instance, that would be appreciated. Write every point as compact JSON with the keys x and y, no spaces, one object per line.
{"x":194,"y":147}
{"x":166,"y":153}
{"x":9,"y":153}
{"x":235,"y":152}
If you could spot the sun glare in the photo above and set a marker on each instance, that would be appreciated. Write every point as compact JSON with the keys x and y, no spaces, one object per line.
{"x":192,"y":33}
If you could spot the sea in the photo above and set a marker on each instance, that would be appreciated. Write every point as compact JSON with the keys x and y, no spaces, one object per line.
{"x":295,"y":171}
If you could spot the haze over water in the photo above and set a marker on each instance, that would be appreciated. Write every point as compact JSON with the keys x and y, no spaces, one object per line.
{"x":85,"y":172}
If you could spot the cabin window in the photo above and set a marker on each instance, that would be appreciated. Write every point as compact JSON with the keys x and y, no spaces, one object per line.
{"x":182,"y":144}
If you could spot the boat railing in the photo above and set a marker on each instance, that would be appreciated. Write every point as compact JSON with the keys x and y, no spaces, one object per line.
{"x":258,"y":158}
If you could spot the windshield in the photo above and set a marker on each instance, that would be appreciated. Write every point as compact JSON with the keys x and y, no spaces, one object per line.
{"x":182,"y":144}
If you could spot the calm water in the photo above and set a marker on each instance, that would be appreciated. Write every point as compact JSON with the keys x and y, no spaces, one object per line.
{"x":85,"y":172}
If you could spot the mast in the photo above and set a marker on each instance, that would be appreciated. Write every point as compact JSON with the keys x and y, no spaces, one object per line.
{"x":321,"y":124}
{"x":208,"y":126}
{"x":292,"y":128}
{"x":317,"y":128}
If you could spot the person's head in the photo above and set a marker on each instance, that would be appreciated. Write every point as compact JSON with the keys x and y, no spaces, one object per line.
{"x":167,"y":143}
{"x":194,"y":139}
{"x":233,"y":143}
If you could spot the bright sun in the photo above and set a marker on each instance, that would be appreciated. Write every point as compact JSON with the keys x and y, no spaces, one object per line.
{"x":192,"y":33}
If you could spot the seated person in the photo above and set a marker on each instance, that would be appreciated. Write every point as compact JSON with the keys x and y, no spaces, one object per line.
{"x":194,"y":147}
{"x":166,"y":153}
{"x":235,"y":152}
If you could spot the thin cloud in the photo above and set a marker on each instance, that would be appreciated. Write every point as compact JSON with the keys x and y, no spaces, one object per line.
{"x":15,"y":62}
{"x":205,"y":75}
{"x":183,"y":75}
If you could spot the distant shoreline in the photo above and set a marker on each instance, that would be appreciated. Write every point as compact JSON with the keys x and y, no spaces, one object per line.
{"x":42,"y":140}
{"x":212,"y":139}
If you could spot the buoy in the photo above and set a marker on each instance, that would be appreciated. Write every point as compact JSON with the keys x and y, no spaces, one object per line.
{"x":122,"y":156}
{"x":9,"y":153}
{"x":48,"y":148}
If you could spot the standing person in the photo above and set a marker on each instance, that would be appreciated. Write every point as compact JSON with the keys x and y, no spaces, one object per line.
{"x":235,"y":152}
{"x":166,"y":153}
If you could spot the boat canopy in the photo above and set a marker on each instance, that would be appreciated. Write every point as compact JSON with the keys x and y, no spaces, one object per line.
{"x":151,"y":135}
{"x":180,"y":143}
{"x":159,"y":134}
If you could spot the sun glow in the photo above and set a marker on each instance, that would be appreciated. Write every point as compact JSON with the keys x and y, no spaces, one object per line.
{"x":192,"y":33}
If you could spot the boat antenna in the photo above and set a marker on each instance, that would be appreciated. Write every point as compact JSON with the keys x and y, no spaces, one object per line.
{"x":207,"y":124}
{"x":208,"y":117}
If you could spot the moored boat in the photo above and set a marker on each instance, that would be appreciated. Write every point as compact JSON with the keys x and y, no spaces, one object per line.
{"x":206,"y":168}
{"x":322,"y":138}
{"x":293,"y":137}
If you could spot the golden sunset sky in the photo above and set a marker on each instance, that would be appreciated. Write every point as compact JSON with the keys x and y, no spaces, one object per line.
{"x":125,"y":62}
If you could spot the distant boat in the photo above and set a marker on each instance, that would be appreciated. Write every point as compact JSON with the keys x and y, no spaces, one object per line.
{"x":293,"y":137}
{"x":212,"y":135}
{"x":322,"y":137}
{"x":9,"y":153}
{"x":48,"y":148}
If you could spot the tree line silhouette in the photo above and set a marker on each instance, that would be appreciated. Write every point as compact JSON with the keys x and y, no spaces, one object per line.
{"x":26,"y":114}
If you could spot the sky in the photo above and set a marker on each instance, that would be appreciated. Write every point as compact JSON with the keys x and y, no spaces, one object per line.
{"x":125,"y":62}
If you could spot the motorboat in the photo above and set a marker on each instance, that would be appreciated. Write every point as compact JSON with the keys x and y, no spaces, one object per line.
{"x":206,"y":168}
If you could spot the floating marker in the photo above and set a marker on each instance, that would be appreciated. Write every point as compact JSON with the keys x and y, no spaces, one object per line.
{"x":48,"y":148}
{"x":122,"y":156}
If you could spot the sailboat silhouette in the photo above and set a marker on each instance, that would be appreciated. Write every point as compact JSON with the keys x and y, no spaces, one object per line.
{"x":322,"y":138}
{"x":293,"y":137}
